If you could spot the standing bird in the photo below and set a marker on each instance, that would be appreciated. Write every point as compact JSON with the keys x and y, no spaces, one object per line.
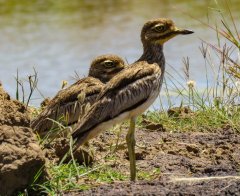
{"x":133,"y":90}
{"x":70,"y":103}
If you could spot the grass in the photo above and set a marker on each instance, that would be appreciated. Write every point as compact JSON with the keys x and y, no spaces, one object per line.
{"x":202,"y":120}
{"x":65,"y":177}
{"x":205,"y":110}
{"x":143,"y":175}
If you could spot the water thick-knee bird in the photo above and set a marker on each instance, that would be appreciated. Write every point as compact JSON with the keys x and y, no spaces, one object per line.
{"x":69,"y":103}
{"x":132,"y":90}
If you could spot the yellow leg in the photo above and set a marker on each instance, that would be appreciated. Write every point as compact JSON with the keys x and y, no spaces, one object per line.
{"x":131,"y":148}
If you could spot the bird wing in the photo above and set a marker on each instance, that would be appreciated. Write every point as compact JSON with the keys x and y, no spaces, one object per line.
{"x":68,"y":102}
{"x":125,"y":91}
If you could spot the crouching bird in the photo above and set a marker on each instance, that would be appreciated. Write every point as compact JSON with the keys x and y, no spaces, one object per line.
{"x":132,"y":90}
{"x":70,"y":103}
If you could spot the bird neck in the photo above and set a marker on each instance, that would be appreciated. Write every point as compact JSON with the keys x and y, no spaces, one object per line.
{"x":153,"y":53}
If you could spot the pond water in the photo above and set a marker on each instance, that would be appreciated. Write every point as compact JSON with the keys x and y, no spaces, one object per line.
{"x":60,"y":37}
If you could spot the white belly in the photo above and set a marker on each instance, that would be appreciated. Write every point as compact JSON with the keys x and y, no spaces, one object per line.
{"x":143,"y":107}
{"x":122,"y":117}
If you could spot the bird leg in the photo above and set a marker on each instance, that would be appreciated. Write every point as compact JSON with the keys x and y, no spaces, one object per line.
{"x":130,"y":138}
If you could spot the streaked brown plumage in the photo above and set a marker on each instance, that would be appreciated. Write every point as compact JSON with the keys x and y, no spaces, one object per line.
{"x":124,"y":91}
{"x":70,"y":103}
{"x":133,"y":90}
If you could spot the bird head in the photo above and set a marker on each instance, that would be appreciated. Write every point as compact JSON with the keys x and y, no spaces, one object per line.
{"x":159,"y":31}
{"x":105,"y":67}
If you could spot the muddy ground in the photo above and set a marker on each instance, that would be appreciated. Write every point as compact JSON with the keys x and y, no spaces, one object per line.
{"x":190,"y":163}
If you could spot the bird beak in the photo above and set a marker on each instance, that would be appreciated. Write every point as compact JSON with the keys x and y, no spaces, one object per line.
{"x":183,"y":31}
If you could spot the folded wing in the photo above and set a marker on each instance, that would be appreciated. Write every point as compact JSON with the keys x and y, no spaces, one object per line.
{"x":68,"y":104}
{"x":127,"y":90}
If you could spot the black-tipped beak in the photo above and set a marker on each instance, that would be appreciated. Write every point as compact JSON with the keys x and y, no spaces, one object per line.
{"x":184,"y":31}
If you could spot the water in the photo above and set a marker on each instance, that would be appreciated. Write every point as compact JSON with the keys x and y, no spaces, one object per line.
{"x":60,"y":37}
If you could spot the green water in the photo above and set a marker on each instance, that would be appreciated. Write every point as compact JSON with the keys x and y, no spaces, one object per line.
{"x":58,"y":37}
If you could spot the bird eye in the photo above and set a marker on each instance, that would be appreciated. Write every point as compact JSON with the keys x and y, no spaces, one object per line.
{"x":109,"y":64}
{"x":159,"y":28}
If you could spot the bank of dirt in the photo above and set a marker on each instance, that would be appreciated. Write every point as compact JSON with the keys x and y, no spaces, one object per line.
{"x":21,"y":157}
{"x":191,"y":163}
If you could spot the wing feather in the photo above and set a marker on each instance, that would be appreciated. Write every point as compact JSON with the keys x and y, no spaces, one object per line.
{"x":129,"y":88}
{"x":67,"y":103}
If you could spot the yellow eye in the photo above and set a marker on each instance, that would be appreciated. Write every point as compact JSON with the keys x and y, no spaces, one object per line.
{"x":109,"y":64}
{"x":160,"y":28}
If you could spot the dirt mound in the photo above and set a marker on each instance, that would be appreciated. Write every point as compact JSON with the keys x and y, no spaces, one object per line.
{"x":12,"y":112}
{"x":20,"y":155}
{"x":20,"y":158}
{"x":190,"y":163}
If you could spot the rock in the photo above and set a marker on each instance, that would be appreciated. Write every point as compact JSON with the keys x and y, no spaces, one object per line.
{"x":20,"y":158}
{"x":12,"y":112}
{"x":180,"y":112}
{"x":151,"y":126}
{"x":20,"y":155}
